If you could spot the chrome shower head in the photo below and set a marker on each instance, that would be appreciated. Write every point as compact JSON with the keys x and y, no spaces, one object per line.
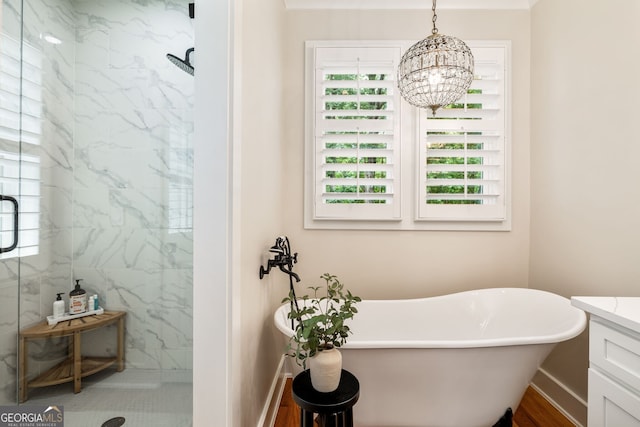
{"x":184,"y":64}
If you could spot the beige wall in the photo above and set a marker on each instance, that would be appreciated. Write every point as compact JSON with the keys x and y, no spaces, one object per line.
{"x":259,"y":140}
{"x":402,"y":264}
{"x":575,"y":211}
{"x":585,"y":205}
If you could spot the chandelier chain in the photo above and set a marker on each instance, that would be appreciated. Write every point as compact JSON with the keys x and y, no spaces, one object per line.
{"x":434,"y":18}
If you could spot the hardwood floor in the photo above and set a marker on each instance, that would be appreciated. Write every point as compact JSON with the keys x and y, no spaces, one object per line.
{"x":289,"y":412}
{"x":534,"y":411}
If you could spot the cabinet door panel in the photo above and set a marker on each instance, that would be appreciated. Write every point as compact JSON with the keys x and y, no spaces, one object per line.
{"x":616,"y":353}
{"x":610,"y":404}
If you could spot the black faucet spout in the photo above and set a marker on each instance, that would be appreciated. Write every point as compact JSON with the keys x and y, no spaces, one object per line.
{"x":290,"y":273}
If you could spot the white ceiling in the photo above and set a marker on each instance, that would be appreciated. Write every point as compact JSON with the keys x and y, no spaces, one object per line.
{"x":410,"y":4}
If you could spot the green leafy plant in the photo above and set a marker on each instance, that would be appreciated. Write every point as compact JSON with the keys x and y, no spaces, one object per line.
{"x":320,"y":320}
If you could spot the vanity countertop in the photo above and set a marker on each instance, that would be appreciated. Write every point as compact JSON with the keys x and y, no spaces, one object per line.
{"x":624,"y":311}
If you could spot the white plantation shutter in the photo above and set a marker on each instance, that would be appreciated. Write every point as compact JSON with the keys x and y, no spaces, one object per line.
{"x":462,"y":150}
{"x":356,"y":133}
{"x":454,"y":171}
{"x":20,"y":132}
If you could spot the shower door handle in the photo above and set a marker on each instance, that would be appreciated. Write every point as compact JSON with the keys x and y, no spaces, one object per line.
{"x":14,"y":202}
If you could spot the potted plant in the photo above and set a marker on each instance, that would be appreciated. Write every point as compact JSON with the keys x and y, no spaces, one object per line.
{"x":320,"y":328}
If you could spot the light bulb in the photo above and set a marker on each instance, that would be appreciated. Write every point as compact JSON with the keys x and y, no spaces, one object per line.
{"x":435,"y":77}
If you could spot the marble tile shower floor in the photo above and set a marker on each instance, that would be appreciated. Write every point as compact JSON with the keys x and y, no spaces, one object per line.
{"x":143,"y":397}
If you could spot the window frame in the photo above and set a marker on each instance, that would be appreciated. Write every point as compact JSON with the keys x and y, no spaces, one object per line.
{"x":409,"y":153}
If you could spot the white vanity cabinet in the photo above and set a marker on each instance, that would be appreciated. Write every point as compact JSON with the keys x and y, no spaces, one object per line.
{"x":614,"y":360}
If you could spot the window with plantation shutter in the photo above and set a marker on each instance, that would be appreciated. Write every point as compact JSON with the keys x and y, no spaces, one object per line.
{"x":20,"y":133}
{"x":355,"y":133}
{"x":463,"y":151}
{"x":445,"y":172}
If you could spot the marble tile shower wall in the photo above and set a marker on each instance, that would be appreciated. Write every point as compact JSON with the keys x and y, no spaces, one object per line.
{"x":132,"y":236}
{"x":115,"y":150}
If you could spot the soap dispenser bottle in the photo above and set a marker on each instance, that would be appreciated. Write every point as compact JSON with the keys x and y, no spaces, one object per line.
{"x":58,"y":307}
{"x":77,"y":299}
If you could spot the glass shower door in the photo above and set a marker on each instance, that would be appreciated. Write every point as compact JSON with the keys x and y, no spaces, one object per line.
{"x":132,"y":204}
{"x":96,"y":147}
{"x":10,"y":125}
{"x":35,"y":253}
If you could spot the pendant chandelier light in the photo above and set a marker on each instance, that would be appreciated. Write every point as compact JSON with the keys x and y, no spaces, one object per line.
{"x":435,"y":71}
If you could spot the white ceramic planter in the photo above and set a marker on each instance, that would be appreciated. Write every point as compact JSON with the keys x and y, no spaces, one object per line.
{"x":325,"y":368}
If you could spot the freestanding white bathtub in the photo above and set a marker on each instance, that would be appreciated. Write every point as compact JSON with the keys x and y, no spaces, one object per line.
{"x":458,"y":360}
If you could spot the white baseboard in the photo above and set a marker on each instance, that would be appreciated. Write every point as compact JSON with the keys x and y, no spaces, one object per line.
{"x":562,"y":398}
{"x":270,"y":410}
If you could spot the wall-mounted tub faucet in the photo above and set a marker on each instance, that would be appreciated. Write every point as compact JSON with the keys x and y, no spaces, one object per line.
{"x":282,"y":259}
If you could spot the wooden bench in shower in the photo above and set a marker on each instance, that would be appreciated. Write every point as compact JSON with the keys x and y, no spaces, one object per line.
{"x":75,"y":366}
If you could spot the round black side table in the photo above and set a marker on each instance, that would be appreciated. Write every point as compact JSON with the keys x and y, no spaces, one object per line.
{"x":334,"y":409}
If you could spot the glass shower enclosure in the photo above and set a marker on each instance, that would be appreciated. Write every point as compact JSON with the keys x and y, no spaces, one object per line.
{"x":96,"y":156}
